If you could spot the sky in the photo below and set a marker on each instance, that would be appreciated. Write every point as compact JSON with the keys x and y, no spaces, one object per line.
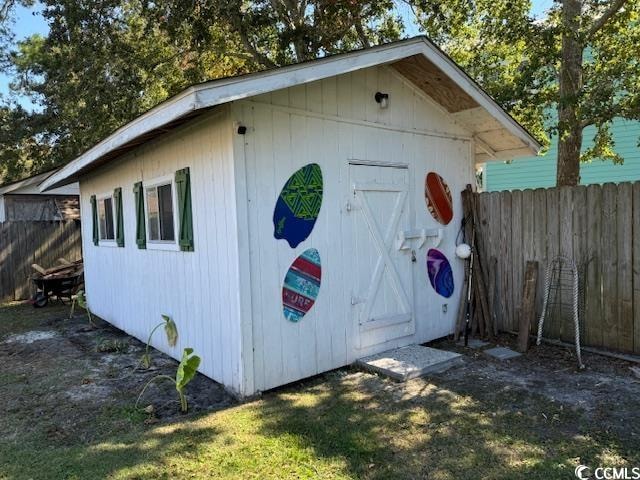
{"x":29,"y":22}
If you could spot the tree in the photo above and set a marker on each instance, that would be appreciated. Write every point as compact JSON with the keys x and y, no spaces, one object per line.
{"x":581,"y":61}
{"x":279,"y":32}
{"x":104,"y":62}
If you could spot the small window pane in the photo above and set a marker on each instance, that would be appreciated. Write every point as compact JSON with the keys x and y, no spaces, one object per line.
{"x":154,"y":217}
{"x":105,"y":216}
{"x":166,"y":212}
{"x":108,"y":210}
{"x":102,"y":221}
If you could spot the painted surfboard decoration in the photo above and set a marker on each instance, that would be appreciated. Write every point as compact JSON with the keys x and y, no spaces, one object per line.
{"x":301,"y":285}
{"x":438,"y":197}
{"x":298,"y":205}
{"x":440,"y":273}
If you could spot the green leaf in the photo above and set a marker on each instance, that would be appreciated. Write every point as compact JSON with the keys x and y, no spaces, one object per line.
{"x":171,"y":330}
{"x":187,"y":369}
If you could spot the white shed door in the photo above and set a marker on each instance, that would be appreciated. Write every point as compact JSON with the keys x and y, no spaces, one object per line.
{"x":382,"y":295}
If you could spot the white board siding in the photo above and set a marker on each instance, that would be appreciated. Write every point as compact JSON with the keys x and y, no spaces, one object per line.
{"x":131,"y":288}
{"x":351,"y":97}
{"x":281,"y":138}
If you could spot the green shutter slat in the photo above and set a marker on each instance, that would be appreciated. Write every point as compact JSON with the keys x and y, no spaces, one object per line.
{"x":94,"y":218}
{"x":185,"y":216}
{"x":141,"y":234}
{"x":117,"y":197}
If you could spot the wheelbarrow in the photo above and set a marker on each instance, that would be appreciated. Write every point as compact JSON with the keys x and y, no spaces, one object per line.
{"x":63,"y":285}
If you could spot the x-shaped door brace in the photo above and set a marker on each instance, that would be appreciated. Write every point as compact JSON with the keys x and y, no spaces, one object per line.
{"x":383,"y":246}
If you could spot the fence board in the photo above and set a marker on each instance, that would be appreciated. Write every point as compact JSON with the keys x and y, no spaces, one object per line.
{"x":567,"y":330}
{"x":625,"y":285}
{"x":579,"y":239}
{"x":636,"y":267}
{"x":609,"y":256}
{"x":6,"y":284}
{"x":593,"y":281}
{"x":517,"y":268}
{"x":540,"y":243}
{"x":505,"y":263}
{"x":493,"y":224}
{"x":24,"y":243}
{"x":527,"y":242}
{"x":553,"y":324}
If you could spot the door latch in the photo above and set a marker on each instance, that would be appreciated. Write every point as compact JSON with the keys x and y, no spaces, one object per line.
{"x":413,"y":256}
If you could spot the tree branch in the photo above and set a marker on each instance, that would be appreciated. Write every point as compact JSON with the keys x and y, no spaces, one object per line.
{"x":604,"y":18}
{"x":361,"y":33}
{"x":239,"y":27}
{"x":257,"y":56}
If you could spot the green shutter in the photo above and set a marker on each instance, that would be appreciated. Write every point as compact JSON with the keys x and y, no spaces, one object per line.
{"x":141,"y":234}
{"x":94,"y":218}
{"x":185,"y":217}
{"x":117,"y":199}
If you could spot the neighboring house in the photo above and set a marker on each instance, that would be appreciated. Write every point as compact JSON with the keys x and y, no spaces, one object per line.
{"x":535,"y":172}
{"x":23,"y":201}
{"x":280,"y":217}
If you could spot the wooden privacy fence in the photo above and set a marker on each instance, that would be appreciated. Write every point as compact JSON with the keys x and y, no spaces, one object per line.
{"x":25,"y":243}
{"x":596,"y":225}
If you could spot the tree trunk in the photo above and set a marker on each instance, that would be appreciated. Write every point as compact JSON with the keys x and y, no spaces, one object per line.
{"x":570,"y":128}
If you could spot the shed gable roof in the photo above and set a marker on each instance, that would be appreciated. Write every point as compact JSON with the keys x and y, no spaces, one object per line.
{"x":497,"y":135}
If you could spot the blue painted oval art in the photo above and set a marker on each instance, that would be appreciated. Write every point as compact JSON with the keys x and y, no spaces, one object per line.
{"x":301,"y":285}
{"x":440,"y":273}
{"x":298,"y":205}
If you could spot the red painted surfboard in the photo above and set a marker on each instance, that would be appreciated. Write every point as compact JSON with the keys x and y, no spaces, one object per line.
{"x":438,"y":197}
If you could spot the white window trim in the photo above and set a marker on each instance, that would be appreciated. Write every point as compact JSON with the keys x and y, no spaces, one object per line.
{"x":102,"y":242}
{"x":168,"y":245}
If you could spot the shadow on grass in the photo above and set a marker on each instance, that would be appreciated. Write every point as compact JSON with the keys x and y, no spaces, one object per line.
{"x":146,"y":451}
{"x":432,"y":430}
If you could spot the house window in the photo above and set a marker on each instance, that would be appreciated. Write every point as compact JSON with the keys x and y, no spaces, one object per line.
{"x":160,"y":213}
{"x":105,"y":216}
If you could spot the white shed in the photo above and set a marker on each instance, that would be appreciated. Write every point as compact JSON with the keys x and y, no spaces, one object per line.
{"x":281,"y":217}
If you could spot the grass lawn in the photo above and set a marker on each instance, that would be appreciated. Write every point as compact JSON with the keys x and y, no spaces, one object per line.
{"x":478,"y":421}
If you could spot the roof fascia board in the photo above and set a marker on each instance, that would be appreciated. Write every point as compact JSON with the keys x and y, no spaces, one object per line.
{"x":278,"y":79}
{"x":24,"y":183}
{"x":158,"y":116}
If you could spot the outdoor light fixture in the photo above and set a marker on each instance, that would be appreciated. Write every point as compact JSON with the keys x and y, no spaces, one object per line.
{"x":382,"y":99}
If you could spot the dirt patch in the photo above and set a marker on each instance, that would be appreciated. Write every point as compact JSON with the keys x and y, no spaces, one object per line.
{"x":605,"y":391}
{"x":82,"y":367}
{"x":30,"y":337}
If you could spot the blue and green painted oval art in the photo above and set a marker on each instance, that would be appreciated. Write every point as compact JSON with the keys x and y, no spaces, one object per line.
{"x":440,"y":273}
{"x":301,"y":285}
{"x":298,"y":205}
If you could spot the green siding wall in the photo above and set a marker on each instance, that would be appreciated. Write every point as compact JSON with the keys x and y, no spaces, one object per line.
{"x":534,"y":172}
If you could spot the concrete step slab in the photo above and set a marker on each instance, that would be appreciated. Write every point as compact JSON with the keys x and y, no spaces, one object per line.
{"x":405,"y":363}
{"x":502,"y":353}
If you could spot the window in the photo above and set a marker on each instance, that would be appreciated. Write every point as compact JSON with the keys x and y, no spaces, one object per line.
{"x":105,"y":216}
{"x":160,"y":213}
